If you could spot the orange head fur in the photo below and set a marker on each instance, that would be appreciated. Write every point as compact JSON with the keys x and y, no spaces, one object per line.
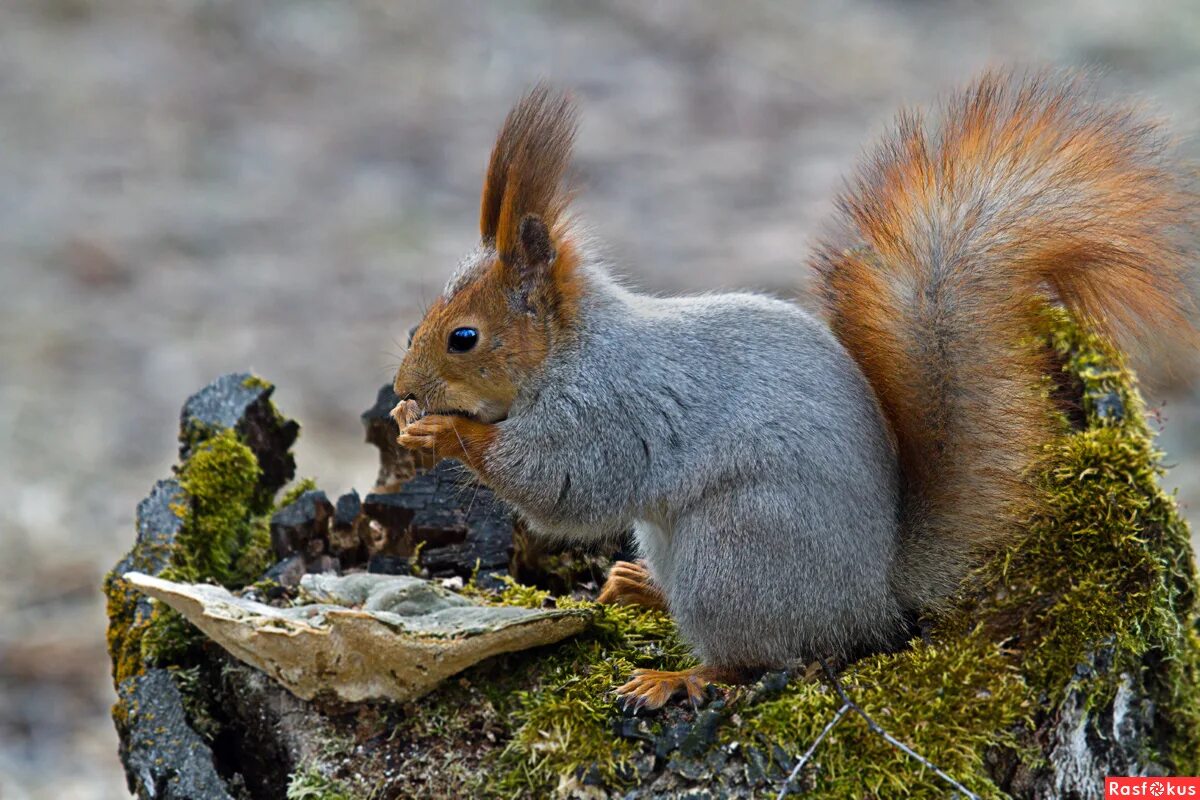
{"x":515,"y":296}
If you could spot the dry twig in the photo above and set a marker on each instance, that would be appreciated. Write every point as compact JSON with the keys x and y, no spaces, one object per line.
{"x":812,"y":748}
{"x":850,"y":705}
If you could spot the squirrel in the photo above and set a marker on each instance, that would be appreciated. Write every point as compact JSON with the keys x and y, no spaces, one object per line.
{"x":802,"y":486}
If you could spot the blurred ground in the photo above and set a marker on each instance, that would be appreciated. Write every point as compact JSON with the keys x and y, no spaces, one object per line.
{"x":197,"y":186}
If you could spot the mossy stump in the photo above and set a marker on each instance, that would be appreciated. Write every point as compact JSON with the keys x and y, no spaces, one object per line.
{"x":1070,"y":656}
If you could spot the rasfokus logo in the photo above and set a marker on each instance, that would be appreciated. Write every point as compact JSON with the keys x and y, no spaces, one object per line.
{"x":1151,"y":787}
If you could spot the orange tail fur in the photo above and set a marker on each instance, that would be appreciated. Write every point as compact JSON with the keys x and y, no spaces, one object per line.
{"x":951,"y":238}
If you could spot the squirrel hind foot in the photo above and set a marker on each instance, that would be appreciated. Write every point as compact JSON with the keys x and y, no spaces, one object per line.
{"x":630,"y":583}
{"x":652,"y":688}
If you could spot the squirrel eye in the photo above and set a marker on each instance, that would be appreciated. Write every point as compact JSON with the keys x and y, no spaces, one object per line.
{"x":463,"y":339}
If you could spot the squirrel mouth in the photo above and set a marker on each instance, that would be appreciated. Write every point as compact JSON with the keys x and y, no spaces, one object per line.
{"x":482,"y":415}
{"x":408,"y":412}
{"x":456,"y":412}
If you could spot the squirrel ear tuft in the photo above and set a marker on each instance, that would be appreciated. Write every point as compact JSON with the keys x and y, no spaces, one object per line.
{"x":526,"y":173}
{"x":537,"y":248}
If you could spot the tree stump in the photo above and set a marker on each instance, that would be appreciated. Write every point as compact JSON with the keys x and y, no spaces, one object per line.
{"x":1070,"y":656}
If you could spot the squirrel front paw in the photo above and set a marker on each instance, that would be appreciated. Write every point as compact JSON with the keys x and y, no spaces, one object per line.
{"x":437,"y":433}
{"x":448,"y":436}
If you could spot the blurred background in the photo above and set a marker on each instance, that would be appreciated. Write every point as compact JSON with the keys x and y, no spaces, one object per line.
{"x":189,"y":187}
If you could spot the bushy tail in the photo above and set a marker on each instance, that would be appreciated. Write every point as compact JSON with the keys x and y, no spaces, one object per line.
{"x":953,"y":236}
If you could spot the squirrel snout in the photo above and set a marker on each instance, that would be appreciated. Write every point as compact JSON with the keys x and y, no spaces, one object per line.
{"x":411,"y":383}
{"x":408,"y":385}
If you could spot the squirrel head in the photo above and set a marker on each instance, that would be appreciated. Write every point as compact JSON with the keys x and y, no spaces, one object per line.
{"x":514,"y":298}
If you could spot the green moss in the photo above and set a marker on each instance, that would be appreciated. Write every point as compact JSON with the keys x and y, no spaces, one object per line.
{"x":255,"y":382}
{"x":951,"y":702}
{"x":167,"y":638}
{"x":322,"y":774}
{"x":222,"y":538}
{"x":414,"y":563}
{"x":196,"y":704}
{"x":130,"y":615}
{"x":293,"y":492}
{"x":1106,"y":563}
{"x":1178,"y":697}
{"x":125,"y":630}
{"x":562,"y":725}
{"x":1103,"y":571}
{"x":310,"y":784}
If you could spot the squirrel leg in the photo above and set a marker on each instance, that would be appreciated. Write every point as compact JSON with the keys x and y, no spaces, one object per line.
{"x":652,"y":688}
{"x":629,"y":583}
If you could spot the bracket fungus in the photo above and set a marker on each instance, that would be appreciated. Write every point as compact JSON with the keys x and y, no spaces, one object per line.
{"x":370,"y":637}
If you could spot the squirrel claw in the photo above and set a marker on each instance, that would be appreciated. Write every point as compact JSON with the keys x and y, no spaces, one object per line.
{"x":631,"y":704}
{"x":650,"y":688}
{"x":424,"y":433}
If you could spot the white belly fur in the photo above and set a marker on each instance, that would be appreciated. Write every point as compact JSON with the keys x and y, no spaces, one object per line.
{"x":654,"y":544}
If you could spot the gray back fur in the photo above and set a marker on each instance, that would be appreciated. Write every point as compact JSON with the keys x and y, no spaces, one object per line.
{"x":743,"y":444}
